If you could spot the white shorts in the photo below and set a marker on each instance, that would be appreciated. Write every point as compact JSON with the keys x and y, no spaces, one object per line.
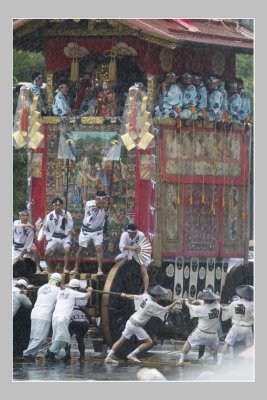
{"x":131,"y":330}
{"x":56,"y":243}
{"x":128,"y":254}
{"x":240,"y":334}
{"x":16,"y":253}
{"x":86,"y":237}
{"x":198,"y":338}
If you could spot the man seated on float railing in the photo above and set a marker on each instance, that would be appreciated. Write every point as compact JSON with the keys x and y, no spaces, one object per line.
{"x":224,"y":106}
{"x":215,"y":100}
{"x":61,"y":106}
{"x":201,"y":100}
{"x":169,"y":97}
{"x":245,"y":107}
{"x":234,"y":101}
{"x":128,"y":245}
{"x":189,"y":96}
{"x":37,"y":90}
{"x":23,"y":236}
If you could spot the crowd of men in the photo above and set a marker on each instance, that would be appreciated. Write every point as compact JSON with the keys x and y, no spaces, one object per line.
{"x":206,"y":98}
{"x":186,"y":97}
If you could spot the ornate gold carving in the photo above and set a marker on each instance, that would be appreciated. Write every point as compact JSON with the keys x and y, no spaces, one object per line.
{"x":53,"y":120}
{"x":92,"y":120}
{"x":49,"y":91}
{"x":151,"y":89}
{"x":164,"y":121}
{"x":50,"y":120}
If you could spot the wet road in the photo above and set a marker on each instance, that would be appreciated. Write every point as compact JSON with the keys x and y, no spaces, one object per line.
{"x":163,"y":358}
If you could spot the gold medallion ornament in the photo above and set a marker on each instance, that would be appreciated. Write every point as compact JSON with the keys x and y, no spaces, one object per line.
{"x":72,"y":50}
{"x":166,"y":57}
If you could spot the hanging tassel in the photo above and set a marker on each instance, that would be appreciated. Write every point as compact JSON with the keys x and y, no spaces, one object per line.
{"x":178,"y":200}
{"x":191,"y":200}
{"x":224,"y":116}
{"x":193,"y":111}
{"x":179,"y":120}
{"x":202,"y":198}
{"x":246,"y":121}
{"x":223,"y":202}
{"x":112,"y":68}
{"x":74,"y":71}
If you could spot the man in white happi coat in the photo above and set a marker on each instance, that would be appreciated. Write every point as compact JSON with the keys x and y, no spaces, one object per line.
{"x":41,"y":315}
{"x":60,"y":106}
{"x":95,"y":217}
{"x":36,"y":90}
{"x":129,"y":244}
{"x":66,"y":299}
{"x":189,"y":96}
{"x":57,"y":230}
{"x":170,"y":97}
{"x":205,"y":333}
{"x":146,"y":307}
{"x":23,"y":246}
{"x":241,"y":311}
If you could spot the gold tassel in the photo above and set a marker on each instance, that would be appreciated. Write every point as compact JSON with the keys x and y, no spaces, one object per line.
{"x":191,"y":200}
{"x":74,"y":71}
{"x":112,"y":68}
{"x":178,"y":200}
{"x":202,"y":199}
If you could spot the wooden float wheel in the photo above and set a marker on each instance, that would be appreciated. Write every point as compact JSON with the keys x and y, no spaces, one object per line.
{"x":123,"y":277}
{"x":24,"y":268}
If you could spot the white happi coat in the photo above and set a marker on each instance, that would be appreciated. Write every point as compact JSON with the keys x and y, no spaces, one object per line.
{"x":208,"y":316}
{"x":60,"y":105}
{"x":93,"y":217}
{"x":125,"y":240}
{"x":61,"y":317}
{"x":41,"y":317}
{"x":241,"y":312}
{"x":22,"y":238}
{"x":146,"y":307}
{"x":53,"y":225}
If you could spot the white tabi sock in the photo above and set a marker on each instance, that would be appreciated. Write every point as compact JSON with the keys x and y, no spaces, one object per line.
{"x":136,"y":351}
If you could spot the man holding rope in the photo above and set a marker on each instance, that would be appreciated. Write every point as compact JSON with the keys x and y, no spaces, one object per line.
{"x":41,"y":315}
{"x":146,"y":306}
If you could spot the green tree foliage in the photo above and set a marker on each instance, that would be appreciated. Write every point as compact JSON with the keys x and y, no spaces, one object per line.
{"x":244,"y":70}
{"x":24,"y":64}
